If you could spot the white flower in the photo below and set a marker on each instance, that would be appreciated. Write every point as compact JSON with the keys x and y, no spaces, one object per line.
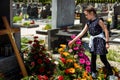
{"x":56,"y":62}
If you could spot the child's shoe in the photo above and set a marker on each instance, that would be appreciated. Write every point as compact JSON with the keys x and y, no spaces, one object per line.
{"x":112,"y":77}
{"x":94,"y":75}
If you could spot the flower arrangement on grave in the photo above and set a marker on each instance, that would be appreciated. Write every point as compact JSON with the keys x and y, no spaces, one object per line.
{"x":73,"y":64}
{"x":38,"y":61}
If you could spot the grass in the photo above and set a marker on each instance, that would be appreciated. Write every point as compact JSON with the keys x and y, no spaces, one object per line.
{"x":112,"y":55}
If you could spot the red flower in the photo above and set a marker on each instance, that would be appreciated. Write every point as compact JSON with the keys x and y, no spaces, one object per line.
{"x":35,"y":56}
{"x":66,"y":71}
{"x":39,"y":61}
{"x":41,"y":69}
{"x":47,"y":60}
{"x":35,"y":37}
{"x":60,"y":78}
{"x":36,"y":41}
{"x":30,"y":42}
{"x":34,"y":45}
{"x":62,"y":59}
{"x":40,"y":77}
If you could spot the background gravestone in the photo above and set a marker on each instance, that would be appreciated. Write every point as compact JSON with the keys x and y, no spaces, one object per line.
{"x":8,"y":63}
{"x":63,"y":12}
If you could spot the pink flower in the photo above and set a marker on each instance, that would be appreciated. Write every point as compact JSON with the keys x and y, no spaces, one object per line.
{"x":73,"y":36}
{"x":88,"y":68}
{"x":78,"y":41}
{"x":70,"y":50}
{"x":33,"y":64}
{"x":88,"y":63}
{"x":86,"y":57}
{"x":76,"y":48}
{"x":82,"y":61}
{"x":80,"y":54}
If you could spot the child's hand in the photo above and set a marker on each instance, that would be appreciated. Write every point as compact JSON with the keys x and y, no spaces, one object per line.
{"x":107,"y":45}
{"x":70,"y":44}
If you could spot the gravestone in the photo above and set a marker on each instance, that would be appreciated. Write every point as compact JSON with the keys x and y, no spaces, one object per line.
{"x":63,"y":12}
{"x":8,"y":62}
{"x":116,"y":13}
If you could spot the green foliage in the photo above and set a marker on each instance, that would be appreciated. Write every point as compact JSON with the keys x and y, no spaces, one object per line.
{"x":24,"y":42}
{"x":26,"y":24}
{"x":45,"y":1}
{"x":49,"y":17}
{"x":17,"y":19}
{"x":47,"y":27}
{"x":118,"y":26}
{"x":113,"y":55}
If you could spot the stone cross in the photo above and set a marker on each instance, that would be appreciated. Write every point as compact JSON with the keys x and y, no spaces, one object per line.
{"x":10,"y":32}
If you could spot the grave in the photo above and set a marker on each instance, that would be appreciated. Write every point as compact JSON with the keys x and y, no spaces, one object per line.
{"x":62,"y":18}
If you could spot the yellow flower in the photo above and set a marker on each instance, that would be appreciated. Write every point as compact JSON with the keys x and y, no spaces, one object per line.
{"x":69,"y":60}
{"x":76,"y":65}
{"x":65,"y":53}
{"x":60,"y":50}
{"x":85,"y":74}
{"x":71,"y":70}
{"x":63,"y":46}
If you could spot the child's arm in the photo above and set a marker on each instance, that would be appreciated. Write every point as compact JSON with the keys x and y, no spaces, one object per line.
{"x":79,"y":35}
{"x":104,"y":27}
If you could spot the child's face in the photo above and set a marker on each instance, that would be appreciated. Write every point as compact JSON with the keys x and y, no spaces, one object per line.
{"x":88,"y":15}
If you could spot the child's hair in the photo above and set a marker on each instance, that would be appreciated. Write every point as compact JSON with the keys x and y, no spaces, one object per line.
{"x":91,"y":9}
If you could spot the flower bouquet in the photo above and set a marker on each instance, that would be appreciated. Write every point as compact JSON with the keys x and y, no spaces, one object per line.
{"x":73,"y":64}
{"x":38,"y":61}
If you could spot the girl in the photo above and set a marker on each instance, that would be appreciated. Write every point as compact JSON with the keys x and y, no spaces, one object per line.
{"x":98,"y":42}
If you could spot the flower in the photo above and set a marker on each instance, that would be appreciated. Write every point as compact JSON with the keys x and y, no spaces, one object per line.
{"x":60,"y":50}
{"x":73,"y":36}
{"x":78,"y":42}
{"x":88,"y":68}
{"x":63,"y":46}
{"x":65,"y":53}
{"x":70,"y":70}
{"x":76,"y":65}
{"x":69,"y":60}
{"x":62,"y":59}
{"x":60,"y":77}
{"x":73,"y":64}
{"x":44,"y":77}
{"x":76,"y":48}
{"x":80,"y":54}
{"x":82,"y":61}
{"x":70,"y":50}
{"x":88,"y":63}
{"x":37,"y":59}
{"x":35,"y":37}
{"x":32,"y":64}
